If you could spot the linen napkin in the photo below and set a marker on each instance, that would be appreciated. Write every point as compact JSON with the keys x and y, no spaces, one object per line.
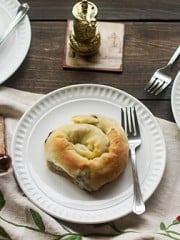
{"x":20,"y":219}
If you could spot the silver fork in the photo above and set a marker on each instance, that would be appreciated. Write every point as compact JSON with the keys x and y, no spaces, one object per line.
{"x":162,"y":76}
{"x":130,"y":124}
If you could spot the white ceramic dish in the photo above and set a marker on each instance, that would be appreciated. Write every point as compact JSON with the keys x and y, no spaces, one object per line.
{"x":15,"y":47}
{"x":55,"y":194}
{"x":175,"y":99}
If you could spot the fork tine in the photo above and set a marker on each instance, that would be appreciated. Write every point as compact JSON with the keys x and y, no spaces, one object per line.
{"x":123,"y":119}
{"x":154,"y":85}
{"x":127,"y":121}
{"x":159,"y":83}
{"x":131,"y":120}
{"x":158,"y":86}
{"x":136,"y":124}
{"x":162,"y":87}
{"x":150,"y":83}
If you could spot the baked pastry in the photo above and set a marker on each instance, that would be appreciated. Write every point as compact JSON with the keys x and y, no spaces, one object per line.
{"x":91,"y":151}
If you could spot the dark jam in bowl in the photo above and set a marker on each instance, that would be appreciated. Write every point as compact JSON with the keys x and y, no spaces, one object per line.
{"x":5,"y":162}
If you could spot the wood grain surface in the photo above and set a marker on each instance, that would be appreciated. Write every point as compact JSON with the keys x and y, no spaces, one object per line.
{"x":109,"y":10}
{"x":152,"y":33}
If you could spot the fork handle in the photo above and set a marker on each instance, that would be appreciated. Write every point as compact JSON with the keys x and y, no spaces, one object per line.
{"x":138,"y":203}
{"x":174,"y":56}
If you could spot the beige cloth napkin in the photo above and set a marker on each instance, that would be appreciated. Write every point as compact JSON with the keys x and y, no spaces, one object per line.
{"x":20,"y":219}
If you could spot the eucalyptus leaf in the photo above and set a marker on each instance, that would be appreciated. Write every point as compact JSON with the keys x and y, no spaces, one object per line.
{"x":74,"y":237}
{"x":3,"y":233}
{"x":38,"y":220}
{"x":2,"y":200}
{"x":162,"y":226}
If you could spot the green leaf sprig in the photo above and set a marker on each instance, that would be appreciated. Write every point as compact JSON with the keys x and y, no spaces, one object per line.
{"x":167,"y":229}
{"x":37,"y":219}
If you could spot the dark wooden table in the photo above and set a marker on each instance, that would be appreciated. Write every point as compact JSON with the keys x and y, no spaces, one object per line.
{"x":152,"y":34}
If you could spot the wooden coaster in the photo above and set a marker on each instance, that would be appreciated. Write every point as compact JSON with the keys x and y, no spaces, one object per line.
{"x":110,"y":54}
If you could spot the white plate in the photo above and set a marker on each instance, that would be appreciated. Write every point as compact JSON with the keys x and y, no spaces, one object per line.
{"x":16,"y":46}
{"x":175,"y":99}
{"x":58,"y":196}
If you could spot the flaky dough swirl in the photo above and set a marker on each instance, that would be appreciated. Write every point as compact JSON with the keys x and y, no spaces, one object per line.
{"x":92,"y":151}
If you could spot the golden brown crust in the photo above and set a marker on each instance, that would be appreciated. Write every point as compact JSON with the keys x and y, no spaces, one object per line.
{"x":64,"y":150}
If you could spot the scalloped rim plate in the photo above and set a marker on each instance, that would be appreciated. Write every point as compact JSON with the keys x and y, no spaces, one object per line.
{"x":58,"y":196}
{"x":175,"y":99}
{"x":16,"y":46}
